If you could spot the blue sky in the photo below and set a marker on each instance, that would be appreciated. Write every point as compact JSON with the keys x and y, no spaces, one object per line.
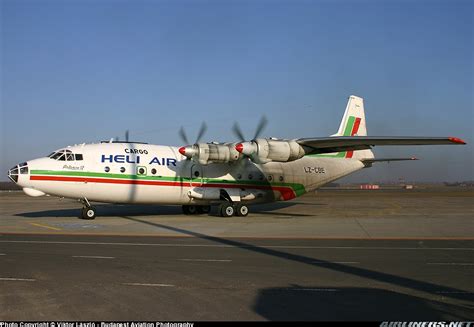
{"x":83,"y":71}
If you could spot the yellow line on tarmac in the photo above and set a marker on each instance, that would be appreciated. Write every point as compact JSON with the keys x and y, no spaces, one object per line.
{"x":45,"y":226}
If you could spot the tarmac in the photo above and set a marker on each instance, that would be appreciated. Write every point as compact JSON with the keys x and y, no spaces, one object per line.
{"x":334,"y":255}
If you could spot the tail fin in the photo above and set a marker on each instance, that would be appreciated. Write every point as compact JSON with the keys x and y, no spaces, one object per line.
{"x":353,"y":124}
{"x":353,"y":121}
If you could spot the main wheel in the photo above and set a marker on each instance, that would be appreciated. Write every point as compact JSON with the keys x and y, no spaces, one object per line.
{"x":88,"y":213}
{"x":242,"y":210}
{"x":204,"y":209}
{"x":190,"y":210}
{"x":227,"y":210}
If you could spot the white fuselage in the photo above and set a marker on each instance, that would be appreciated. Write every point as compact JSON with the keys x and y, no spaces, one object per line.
{"x":155,"y":174}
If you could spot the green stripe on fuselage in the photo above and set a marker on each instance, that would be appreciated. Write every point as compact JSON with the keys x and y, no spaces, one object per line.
{"x":296,"y":187}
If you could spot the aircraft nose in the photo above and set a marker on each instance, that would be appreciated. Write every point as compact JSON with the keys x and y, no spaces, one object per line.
{"x":18,"y":170}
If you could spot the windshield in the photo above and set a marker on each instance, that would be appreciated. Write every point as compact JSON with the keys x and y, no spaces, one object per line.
{"x":66,"y":155}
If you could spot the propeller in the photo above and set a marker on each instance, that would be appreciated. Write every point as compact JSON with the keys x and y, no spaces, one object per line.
{"x":260,"y":127}
{"x":200,"y":134}
{"x":249,"y":147}
{"x":190,"y":150}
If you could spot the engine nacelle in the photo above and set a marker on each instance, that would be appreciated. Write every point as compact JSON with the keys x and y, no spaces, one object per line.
{"x":206,"y":153}
{"x":267,"y":150}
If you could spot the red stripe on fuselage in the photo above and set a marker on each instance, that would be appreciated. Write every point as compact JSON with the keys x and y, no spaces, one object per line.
{"x":287,"y":193}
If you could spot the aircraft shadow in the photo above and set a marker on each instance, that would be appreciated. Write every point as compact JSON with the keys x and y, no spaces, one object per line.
{"x":400,"y":281}
{"x":108,"y":210}
{"x":352,"y":303}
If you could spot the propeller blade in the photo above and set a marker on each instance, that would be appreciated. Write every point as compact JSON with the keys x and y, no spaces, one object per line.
{"x":183,"y":136}
{"x":238,"y":132}
{"x":126,"y":135}
{"x":201,"y":132}
{"x":261,"y":126}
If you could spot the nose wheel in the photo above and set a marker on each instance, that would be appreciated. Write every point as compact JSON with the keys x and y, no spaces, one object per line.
{"x":88,"y":212}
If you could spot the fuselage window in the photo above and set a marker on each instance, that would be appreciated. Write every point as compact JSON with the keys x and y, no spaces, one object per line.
{"x":122,"y":169}
{"x":270,"y":178}
{"x":196,"y":173}
{"x":107,"y":169}
{"x":24,"y":170}
{"x":62,"y":157}
{"x":281,"y":178}
{"x":141,"y":171}
{"x":69,"y":157}
{"x":153,"y":171}
{"x":51,"y":154}
{"x":239,"y":176}
{"x":78,"y":156}
{"x":250,"y":176}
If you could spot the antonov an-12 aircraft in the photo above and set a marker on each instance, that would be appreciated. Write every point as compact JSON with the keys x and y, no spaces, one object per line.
{"x":231,"y":175}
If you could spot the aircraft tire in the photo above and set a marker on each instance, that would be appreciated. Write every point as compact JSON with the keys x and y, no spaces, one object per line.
{"x":227,"y":210}
{"x":242,"y":210}
{"x":190,"y":210}
{"x":204,"y":209}
{"x":88,"y":213}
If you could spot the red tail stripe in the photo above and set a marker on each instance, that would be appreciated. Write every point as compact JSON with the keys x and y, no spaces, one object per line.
{"x":355,"y":128}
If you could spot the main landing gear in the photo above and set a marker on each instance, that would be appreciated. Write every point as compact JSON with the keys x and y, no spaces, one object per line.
{"x":196,"y":210}
{"x":226,"y":209}
{"x":88,"y":211}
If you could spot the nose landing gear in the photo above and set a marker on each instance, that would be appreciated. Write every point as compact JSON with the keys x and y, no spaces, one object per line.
{"x":88,"y":211}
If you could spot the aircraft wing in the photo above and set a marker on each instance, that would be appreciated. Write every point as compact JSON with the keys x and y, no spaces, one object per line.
{"x":351,"y":143}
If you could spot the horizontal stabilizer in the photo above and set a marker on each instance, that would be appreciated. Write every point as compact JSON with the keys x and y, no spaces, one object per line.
{"x":369,"y":161}
{"x":352,"y":143}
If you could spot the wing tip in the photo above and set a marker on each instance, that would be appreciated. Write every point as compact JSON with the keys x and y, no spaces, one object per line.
{"x":456,"y":140}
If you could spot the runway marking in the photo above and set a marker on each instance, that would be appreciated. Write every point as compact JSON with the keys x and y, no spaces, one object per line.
{"x":241,"y":237}
{"x":45,"y":226}
{"x":339,"y":262}
{"x":451,"y":263}
{"x":149,"y":285}
{"x":241,"y":246}
{"x":2,"y":254}
{"x":92,"y":257}
{"x":206,"y":260}
{"x":17,"y":279}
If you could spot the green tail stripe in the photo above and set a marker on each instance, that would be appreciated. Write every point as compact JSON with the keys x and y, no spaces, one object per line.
{"x":347,"y":132}
{"x":349,"y":126}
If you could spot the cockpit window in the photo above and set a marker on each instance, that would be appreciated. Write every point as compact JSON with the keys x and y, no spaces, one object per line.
{"x":56,"y":155}
{"x":65,"y":155}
